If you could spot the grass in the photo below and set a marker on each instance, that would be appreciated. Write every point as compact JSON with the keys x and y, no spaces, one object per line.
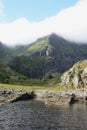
{"x":33,"y":88}
{"x":8,"y":86}
{"x":39,"y":45}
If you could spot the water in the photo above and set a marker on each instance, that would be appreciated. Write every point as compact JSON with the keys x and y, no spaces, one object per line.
{"x":34,"y":115}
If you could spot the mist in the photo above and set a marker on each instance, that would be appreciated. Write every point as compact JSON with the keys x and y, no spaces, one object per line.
{"x":71,"y":23}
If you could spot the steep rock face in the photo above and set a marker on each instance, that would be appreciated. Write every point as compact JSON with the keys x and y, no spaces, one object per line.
{"x":76,"y":76}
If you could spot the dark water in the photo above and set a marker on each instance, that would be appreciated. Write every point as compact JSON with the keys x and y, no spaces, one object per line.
{"x":34,"y":115}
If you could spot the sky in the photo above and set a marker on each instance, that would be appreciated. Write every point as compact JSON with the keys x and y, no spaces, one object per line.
{"x":33,"y":10}
{"x":23,"y":21}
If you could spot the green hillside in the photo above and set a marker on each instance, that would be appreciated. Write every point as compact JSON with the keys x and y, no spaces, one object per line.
{"x":5,"y":53}
{"x":47,"y":55}
{"x":8,"y":76}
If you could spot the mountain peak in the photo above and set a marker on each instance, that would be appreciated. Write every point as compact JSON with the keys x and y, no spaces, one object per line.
{"x":58,"y":37}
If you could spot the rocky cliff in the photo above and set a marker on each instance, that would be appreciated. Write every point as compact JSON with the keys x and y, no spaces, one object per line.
{"x":76,"y":76}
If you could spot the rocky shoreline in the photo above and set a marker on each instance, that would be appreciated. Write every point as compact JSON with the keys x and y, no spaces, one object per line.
{"x":14,"y":95}
{"x":49,"y":97}
{"x":62,"y":97}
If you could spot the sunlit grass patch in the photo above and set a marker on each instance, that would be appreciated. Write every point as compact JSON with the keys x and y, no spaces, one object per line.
{"x":33,"y":88}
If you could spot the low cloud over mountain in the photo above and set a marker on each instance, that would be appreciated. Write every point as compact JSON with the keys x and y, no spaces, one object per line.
{"x":70,"y":23}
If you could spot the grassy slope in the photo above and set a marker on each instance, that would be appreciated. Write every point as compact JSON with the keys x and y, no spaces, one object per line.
{"x":6,"y":74}
{"x":33,"y":88}
{"x":9,"y":76}
{"x":6,"y":52}
{"x":39,"y":45}
{"x":30,"y":62}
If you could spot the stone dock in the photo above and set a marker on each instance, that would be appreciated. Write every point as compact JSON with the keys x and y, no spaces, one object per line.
{"x":49,"y":97}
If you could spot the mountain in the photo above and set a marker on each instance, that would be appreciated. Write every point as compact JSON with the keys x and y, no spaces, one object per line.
{"x":4,"y":52}
{"x":47,"y":55}
{"x":7,"y":75}
{"x":76,"y":76}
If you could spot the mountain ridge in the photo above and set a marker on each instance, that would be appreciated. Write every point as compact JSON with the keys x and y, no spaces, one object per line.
{"x":48,"y":54}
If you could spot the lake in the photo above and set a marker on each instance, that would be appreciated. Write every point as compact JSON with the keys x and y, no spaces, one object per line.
{"x":35,"y":115}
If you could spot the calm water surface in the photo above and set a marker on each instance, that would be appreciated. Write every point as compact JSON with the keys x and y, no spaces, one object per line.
{"x":34,"y":115}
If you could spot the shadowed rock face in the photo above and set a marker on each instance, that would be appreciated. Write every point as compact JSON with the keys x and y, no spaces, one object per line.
{"x":73,"y":99}
{"x":11,"y":95}
{"x":25,"y":97}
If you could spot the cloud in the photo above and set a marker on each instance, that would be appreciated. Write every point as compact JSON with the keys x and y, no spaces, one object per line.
{"x":70,"y":23}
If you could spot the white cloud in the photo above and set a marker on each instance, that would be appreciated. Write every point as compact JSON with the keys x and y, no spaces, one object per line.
{"x":71,"y":23}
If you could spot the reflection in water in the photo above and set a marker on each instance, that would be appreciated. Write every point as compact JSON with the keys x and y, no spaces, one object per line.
{"x":34,"y":115}
{"x":79,"y":106}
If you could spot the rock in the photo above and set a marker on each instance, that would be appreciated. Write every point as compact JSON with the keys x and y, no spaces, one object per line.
{"x":14,"y":77}
{"x":11,"y":95}
{"x":75,"y":80}
{"x":24,"y":97}
{"x":73,"y":99}
{"x":84,"y":76}
{"x":7,"y":69}
{"x":48,"y":97}
{"x":76,"y":77}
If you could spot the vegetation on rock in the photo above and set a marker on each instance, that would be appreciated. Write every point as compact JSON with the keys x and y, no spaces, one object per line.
{"x":76,"y":76}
